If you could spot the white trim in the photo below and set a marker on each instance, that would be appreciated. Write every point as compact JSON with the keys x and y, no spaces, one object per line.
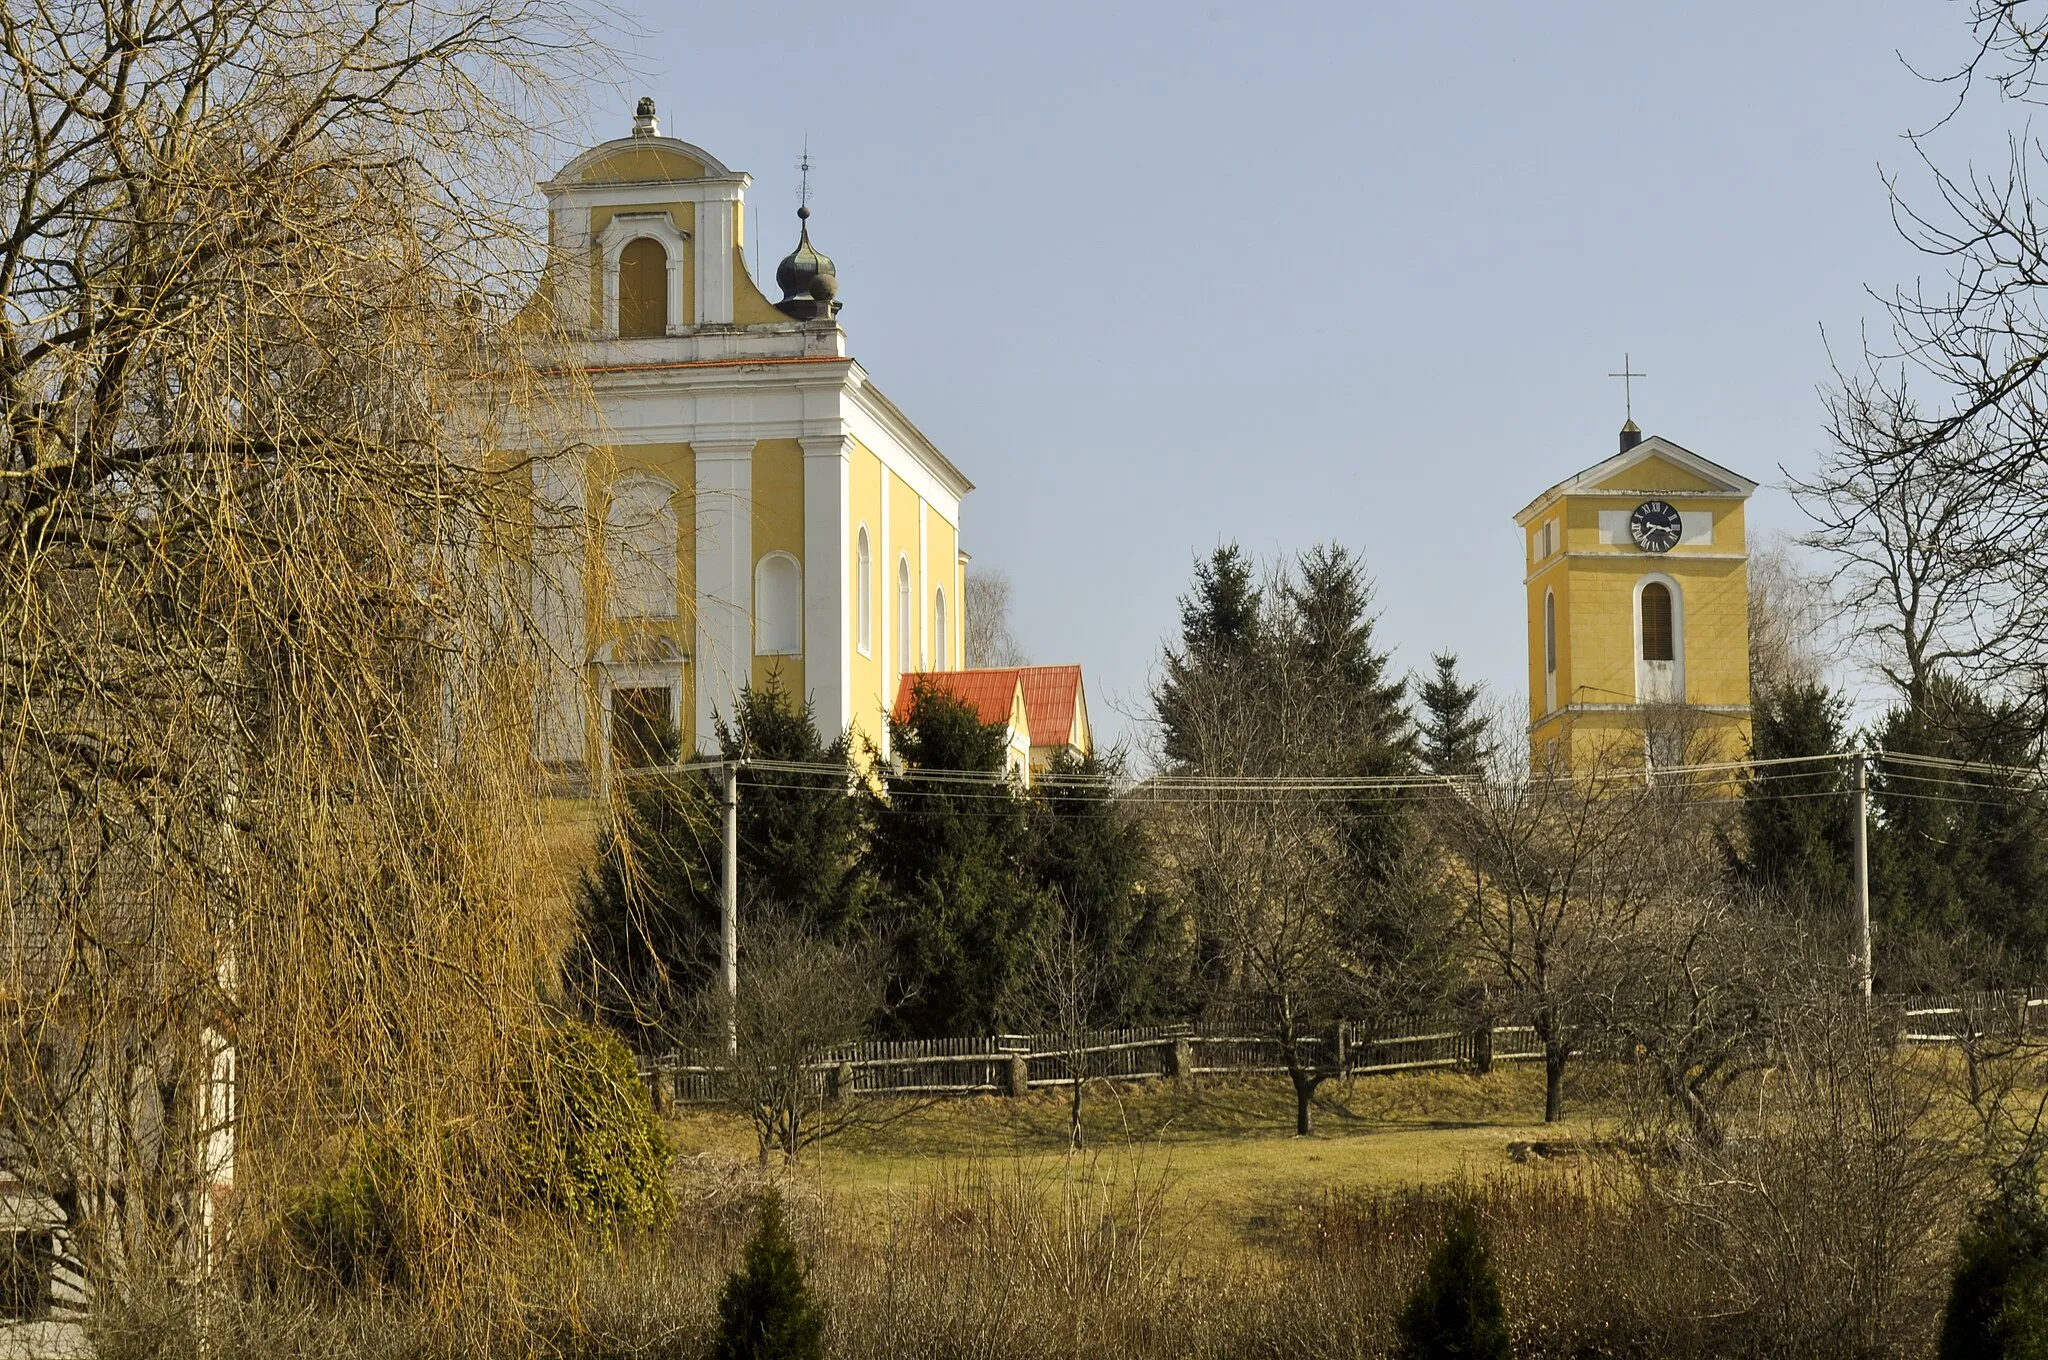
{"x":906,"y":618}
{"x":1549,"y":627}
{"x":1644,"y":676}
{"x":828,"y":671}
{"x":1729,"y":482}
{"x":725,"y":576}
{"x":941,"y":631}
{"x":622,"y":231}
{"x":864,"y":591}
{"x":794,"y":647}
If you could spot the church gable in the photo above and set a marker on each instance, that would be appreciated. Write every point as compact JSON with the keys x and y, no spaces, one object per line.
{"x":1657,"y":474}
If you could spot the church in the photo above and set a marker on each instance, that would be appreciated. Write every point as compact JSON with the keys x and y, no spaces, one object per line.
{"x":765,"y":511}
{"x":1638,"y":611}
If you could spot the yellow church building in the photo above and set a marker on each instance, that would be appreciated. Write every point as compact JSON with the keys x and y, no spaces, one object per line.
{"x":764,"y":509}
{"x":1638,"y":611}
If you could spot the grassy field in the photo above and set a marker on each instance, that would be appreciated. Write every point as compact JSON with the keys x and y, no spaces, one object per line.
{"x":1224,"y":1151}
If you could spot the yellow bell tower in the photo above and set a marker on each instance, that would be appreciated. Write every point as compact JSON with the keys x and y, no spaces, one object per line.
{"x":1638,"y":597}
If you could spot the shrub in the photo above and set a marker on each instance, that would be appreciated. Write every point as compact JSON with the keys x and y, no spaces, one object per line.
{"x":1998,"y":1296}
{"x":1455,"y":1312}
{"x":765,"y":1311}
{"x":346,"y":1230}
{"x":588,"y":1140}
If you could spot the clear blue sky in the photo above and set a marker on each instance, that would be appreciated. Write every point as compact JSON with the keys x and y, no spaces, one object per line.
{"x":1157,"y":276}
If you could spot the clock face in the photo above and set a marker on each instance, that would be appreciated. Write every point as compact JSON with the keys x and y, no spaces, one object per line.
{"x":1656,"y":526}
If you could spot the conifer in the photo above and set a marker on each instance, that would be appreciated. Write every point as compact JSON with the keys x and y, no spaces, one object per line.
{"x":1454,"y":735}
{"x":1998,"y":1296}
{"x":765,"y":1311}
{"x":1455,"y":1312}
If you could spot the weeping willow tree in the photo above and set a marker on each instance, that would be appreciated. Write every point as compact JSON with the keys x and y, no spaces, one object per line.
{"x":267,"y":834}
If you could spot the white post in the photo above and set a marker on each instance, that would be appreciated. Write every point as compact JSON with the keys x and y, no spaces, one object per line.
{"x":729,"y":907}
{"x":1862,"y":815}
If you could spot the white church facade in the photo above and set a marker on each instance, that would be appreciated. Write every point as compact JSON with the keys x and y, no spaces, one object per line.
{"x":766,"y":511}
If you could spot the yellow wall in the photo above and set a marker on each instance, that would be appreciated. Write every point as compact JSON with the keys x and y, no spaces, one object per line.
{"x":684,"y":215}
{"x":942,"y":542}
{"x":867,"y":695}
{"x":779,"y":527}
{"x":641,"y":165}
{"x":1595,"y":588}
{"x":903,"y":503}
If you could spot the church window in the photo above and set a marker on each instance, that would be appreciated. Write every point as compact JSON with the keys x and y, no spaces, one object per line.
{"x":643,"y":725}
{"x":1549,"y":633}
{"x":864,"y":592}
{"x":643,"y":289}
{"x":939,"y":631}
{"x":1657,"y":633}
{"x":778,"y":606}
{"x":906,"y":656}
{"x":640,"y":548}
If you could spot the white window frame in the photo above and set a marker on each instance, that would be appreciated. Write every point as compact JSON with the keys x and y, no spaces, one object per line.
{"x":1659,"y":686}
{"x":939,"y":630}
{"x":864,"y":594}
{"x":623,"y":230}
{"x":763,"y":645}
{"x":906,"y":618}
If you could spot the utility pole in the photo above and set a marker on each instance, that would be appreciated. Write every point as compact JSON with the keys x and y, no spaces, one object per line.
{"x":1861,"y":763}
{"x":729,"y":905}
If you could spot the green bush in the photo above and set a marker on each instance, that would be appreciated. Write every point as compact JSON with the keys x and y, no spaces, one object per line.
{"x":1998,"y":1296}
{"x":588,"y":1140}
{"x":1455,"y":1312}
{"x":765,"y":1311}
{"x":347,"y":1228}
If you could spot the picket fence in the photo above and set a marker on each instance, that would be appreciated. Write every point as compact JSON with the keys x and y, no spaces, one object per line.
{"x":1012,"y":1064}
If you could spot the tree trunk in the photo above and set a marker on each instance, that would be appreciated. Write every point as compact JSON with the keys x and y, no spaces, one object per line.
{"x":1554,"y":1056}
{"x":1304,"y":1093}
{"x":1074,"y":1117}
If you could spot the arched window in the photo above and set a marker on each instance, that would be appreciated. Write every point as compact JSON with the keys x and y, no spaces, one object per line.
{"x":864,"y":594}
{"x":1549,"y":633}
{"x":906,"y":654}
{"x":640,"y":548}
{"x":643,"y":289}
{"x":939,"y":630}
{"x":1657,"y":635}
{"x":778,"y":606}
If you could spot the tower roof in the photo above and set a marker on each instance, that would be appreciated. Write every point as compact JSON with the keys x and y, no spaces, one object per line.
{"x":1605,"y":478}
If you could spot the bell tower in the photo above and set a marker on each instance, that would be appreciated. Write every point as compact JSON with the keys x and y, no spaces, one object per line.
{"x":1638,"y":610}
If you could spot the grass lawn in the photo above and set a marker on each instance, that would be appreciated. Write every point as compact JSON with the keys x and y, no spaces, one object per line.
{"x":1224,"y":1151}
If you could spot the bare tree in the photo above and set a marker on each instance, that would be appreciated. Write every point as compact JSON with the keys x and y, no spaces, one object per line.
{"x":1791,"y":621}
{"x":267,"y":850}
{"x":1062,"y":999}
{"x":988,"y":639}
{"x":801,"y":1001}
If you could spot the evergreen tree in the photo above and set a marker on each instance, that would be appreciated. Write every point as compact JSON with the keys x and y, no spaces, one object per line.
{"x":1222,"y":632}
{"x":1327,"y":623}
{"x":1998,"y":1296}
{"x":1797,"y":827}
{"x":1455,"y":1312}
{"x":1454,"y":733}
{"x":1960,"y":850}
{"x":945,"y":856}
{"x":649,"y":906}
{"x":765,"y":1311}
{"x":1091,"y":851}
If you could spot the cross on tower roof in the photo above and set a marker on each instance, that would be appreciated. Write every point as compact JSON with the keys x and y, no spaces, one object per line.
{"x":1627,"y":376}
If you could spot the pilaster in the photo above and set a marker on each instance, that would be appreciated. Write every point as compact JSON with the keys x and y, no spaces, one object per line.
{"x":828,"y":660}
{"x":725,"y":577}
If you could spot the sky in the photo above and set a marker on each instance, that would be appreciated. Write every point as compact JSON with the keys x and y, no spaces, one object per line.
{"x":1162,"y":276}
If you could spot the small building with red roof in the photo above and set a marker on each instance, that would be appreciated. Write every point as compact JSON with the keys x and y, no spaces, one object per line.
{"x":1044,"y":709}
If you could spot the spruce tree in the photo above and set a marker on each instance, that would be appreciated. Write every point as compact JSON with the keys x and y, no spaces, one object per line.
{"x":1091,"y":851}
{"x":1454,"y":734}
{"x":1796,"y":820}
{"x":765,"y":1311}
{"x":1222,"y":633}
{"x":1455,"y":1311}
{"x":1998,"y":1296}
{"x":649,"y":906}
{"x":945,"y":856}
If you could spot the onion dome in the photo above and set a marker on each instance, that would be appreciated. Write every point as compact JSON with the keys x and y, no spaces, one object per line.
{"x":807,"y":279}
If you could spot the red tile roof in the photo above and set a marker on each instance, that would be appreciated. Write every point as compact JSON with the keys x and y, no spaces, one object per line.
{"x":1052,"y":696}
{"x":988,"y":692}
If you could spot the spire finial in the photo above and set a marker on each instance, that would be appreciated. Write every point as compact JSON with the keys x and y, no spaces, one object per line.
{"x":1627,"y":376}
{"x":643,"y":118}
{"x":803,"y":184}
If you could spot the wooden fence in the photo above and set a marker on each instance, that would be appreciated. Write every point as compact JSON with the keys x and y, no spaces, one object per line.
{"x":1012,"y":1064}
